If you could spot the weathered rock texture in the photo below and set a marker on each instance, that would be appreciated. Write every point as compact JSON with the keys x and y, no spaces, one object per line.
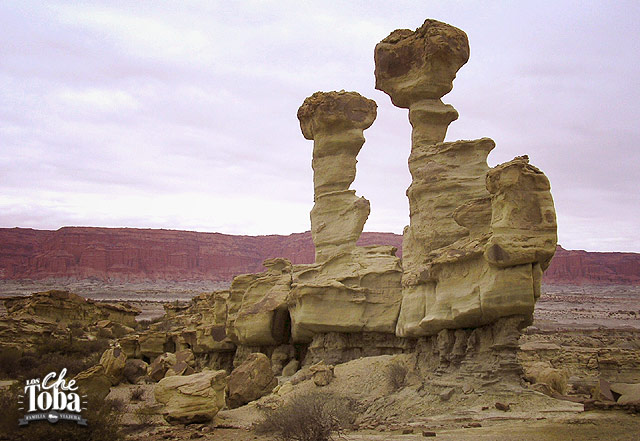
{"x":335,"y":121}
{"x":193,"y":398}
{"x":66,"y":307}
{"x":478,"y":239}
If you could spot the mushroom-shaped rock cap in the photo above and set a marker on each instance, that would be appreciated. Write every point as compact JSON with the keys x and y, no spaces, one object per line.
{"x":335,"y":111}
{"x":412,"y":66}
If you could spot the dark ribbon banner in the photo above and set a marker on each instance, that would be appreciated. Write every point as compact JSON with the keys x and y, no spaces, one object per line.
{"x":49,"y":416}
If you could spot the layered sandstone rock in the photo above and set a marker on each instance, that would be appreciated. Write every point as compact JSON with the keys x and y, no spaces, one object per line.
{"x":351,"y":292}
{"x":478,"y":239}
{"x":335,"y":121}
{"x":66,"y":307}
{"x":349,"y":288}
{"x":113,"y":360}
{"x":94,"y":381}
{"x":262,"y":317}
{"x":195,"y":398}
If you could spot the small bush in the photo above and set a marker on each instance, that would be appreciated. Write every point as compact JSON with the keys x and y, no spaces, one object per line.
{"x":136,"y":394}
{"x":310,"y":417}
{"x":51,"y":355}
{"x":396,"y":374}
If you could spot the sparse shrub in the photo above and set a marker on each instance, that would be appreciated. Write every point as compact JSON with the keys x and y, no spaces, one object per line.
{"x":309,"y":417}
{"x":76,"y":329}
{"x":51,"y":355}
{"x":136,"y":394}
{"x":396,"y":374}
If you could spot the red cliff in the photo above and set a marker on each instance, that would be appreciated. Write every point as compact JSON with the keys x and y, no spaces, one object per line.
{"x":128,"y":254}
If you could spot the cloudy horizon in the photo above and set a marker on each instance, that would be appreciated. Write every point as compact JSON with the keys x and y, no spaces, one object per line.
{"x":182,"y":115}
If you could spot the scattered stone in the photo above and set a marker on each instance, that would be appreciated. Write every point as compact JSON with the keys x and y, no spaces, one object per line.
{"x":159,"y":367}
{"x":467,"y":389}
{"x":629,"y":393}
{"x":322,"y":374}
{"x":427,"y":433}
{"x":134,"y":369}
{"x":193,"y":398}
{"x":503,"y":407}
{"x":251,"y":380}
{"x":291,"y":368}
{"x":447,"y":394}
{"x":605,"y":390}
{"x":113,"y":360}
{"x":407,"y":431}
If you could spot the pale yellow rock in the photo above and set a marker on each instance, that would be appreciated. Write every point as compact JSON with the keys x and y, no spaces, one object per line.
{"x":93,"y":382}
{"x":66,"y":307}
{"x":523,"y":222}
{"x":357,"y":291}
{"x":152,"y":343}
{"x":239,"y":286}
{"x":113,"y":360}
{"x":335,"y":121}
{"x":262,"y":317}
{"x":478,"y":239}
{"x":195,"y":398}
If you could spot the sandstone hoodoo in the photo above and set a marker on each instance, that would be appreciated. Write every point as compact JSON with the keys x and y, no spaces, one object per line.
{"x":476,"y":246}
{"x":478,"y":238}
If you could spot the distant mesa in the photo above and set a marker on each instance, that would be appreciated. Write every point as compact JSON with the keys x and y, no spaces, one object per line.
{"x":140,"y":255}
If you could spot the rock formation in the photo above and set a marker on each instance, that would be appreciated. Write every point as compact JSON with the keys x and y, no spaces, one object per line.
{"x":195,"y":398}
{"x":475,"y":249}
{"x":66,"y":307}
{"x":335,"y":121}
{"x":478,"y":239}
{"x":251,"y":380}
{"x":27,"y":254}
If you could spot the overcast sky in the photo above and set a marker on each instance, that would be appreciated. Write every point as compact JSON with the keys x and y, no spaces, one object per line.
{"x":182,"y":114}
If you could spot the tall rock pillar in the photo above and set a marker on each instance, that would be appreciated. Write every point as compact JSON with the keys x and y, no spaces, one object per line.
{"x":335,"y":121}
{"x":478,"y":240}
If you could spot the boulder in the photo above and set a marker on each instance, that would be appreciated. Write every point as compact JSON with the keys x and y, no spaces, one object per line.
{"x":195,"y":398}
{"x":160,"y":365}
{"x":322,"y":374}
{"x":291,"y":368}
{"x":628,"y":393}
{"x":113,"y":360}
{"x":180,"y":368}
{"x":94,"y":382}
{"x":251,"y":380}
{"x":543,"y":373}
{"x":478,"y":239}
{"x":134,"y":369}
